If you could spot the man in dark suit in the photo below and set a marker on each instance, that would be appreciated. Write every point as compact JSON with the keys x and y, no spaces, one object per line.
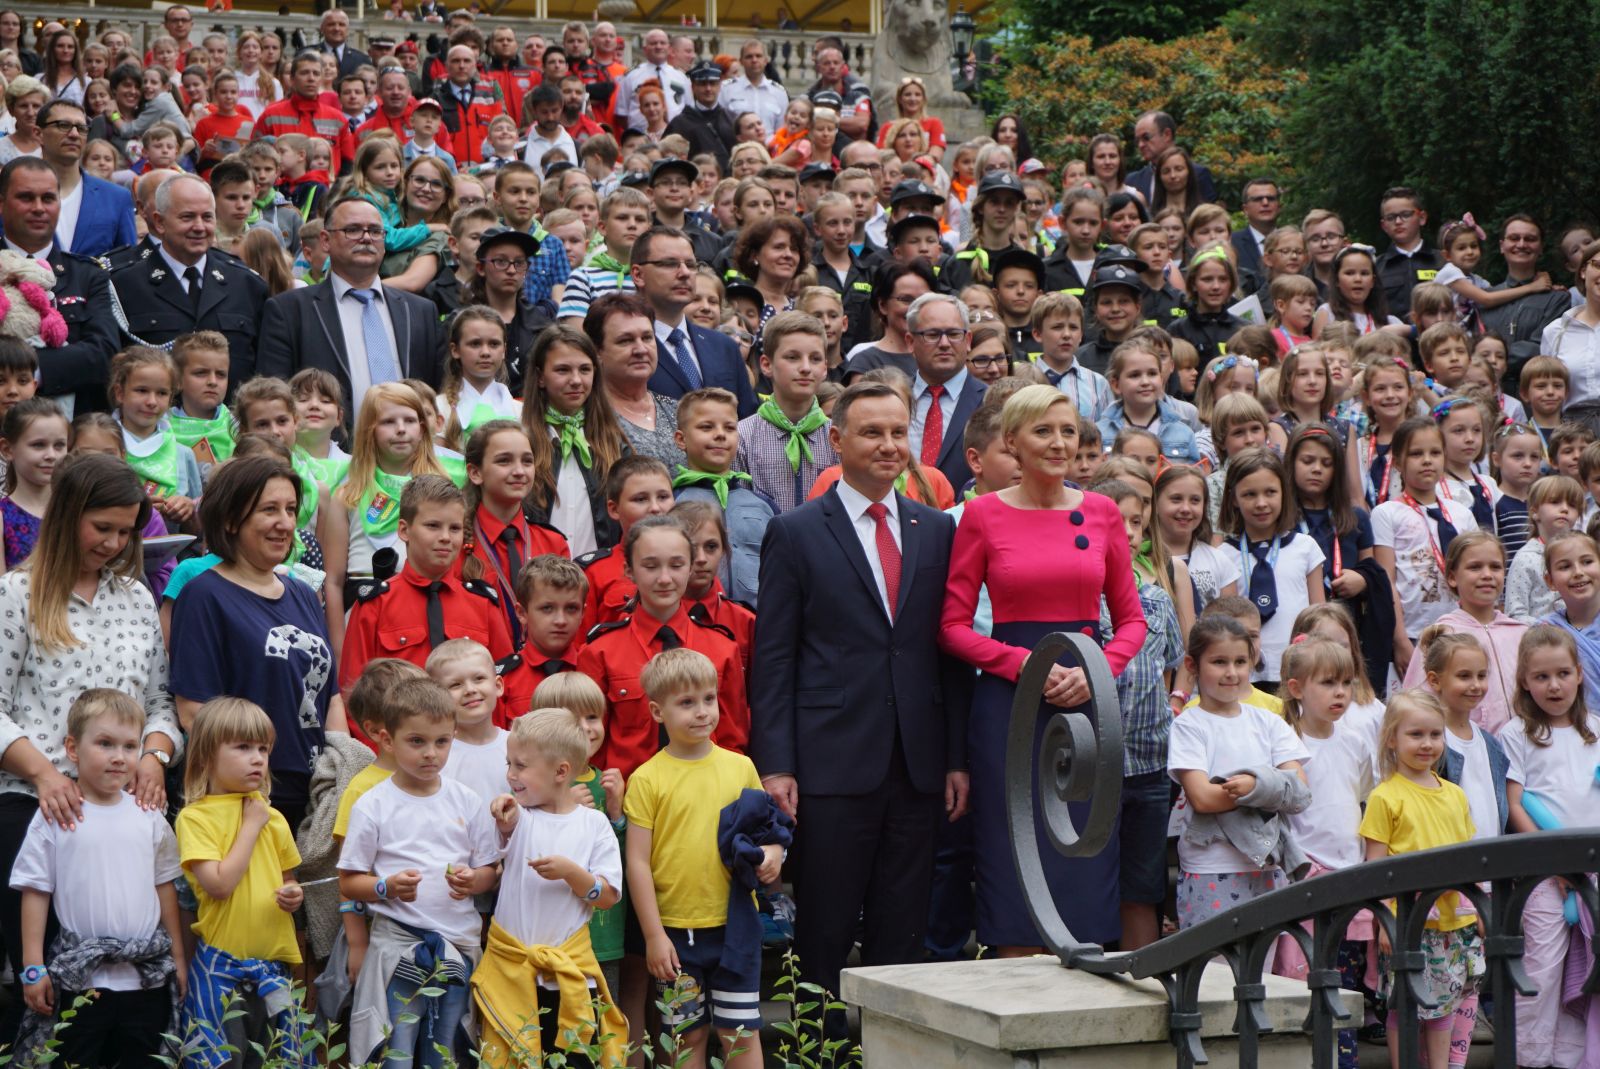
{"x":688,"y":357}
{"x":1153,"y":133}
{"x":335,"y":39}
{"x":944,"y":396}
{"x":858,"y":722}
{"x":186,"y":285}
{"x":75,"y":373}
{"x":1262,"y":202}
{"x":350,"y":324}
{"x":104,"y":217}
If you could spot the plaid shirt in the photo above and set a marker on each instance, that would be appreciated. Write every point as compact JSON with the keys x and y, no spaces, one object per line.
{"x":761,"y":454}
{"x":547,"y":270}
{"x":1141,"y":688}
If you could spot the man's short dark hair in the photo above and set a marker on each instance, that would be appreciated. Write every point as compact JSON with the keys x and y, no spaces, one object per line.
{"x":644,"y":242}
{"x":21,"y":163}
{"x":545,"y":93}
{"x":352,"y":77}
{"x":305,"y":55}
{"x":548,"y":52}
{"x":1515,"y":217}
{"x":339,"y":202}
{"x":54,"y":106}
{"x":859,"y":391}
{"x":1401,"y":193}
{"x":1260,"y":180}
{"x":1162,"y":120}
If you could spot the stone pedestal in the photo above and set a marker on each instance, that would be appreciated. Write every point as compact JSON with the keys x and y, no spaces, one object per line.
{"x":1007,"y":1014}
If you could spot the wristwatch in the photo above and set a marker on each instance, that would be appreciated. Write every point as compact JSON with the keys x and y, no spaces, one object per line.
{"x":32,"y":974}
{"x":596,"y":891}
{"x":160,"y":755}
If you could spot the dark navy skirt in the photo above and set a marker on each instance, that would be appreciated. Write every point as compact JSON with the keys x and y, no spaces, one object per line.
{"x":1086,"y":890}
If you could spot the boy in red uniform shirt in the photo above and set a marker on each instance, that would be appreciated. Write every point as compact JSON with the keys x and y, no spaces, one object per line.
{"x":222,"y":132}
{"x":707,"y":601}
{"x":549,"y":604}
{"x":303,"y":112}
{"x":658,"y":558}
{"x":426,"y":604}
{"x":636,"y":487}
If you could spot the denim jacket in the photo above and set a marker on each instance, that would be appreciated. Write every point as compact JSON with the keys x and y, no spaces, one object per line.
{"x":1499,"y":765}
{"x":747,"y":515}
{"x":1177,"y":440}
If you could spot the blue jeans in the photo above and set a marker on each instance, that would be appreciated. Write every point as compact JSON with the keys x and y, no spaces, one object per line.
{"x":420,"y":1024}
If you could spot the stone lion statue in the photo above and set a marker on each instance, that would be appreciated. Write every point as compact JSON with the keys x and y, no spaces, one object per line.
{"x":914,"y":41}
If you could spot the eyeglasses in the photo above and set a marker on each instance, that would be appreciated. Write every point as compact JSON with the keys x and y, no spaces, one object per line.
{"x":67,"y":126}
{"x":426,"y":183}
{"x":1325,"y":239}
{"x":1395,"y":218}
{"x":983,"y":363}
{"x":951,"y":335}
{"x":1263,"y":198}
{"x":501,"y":263}
{"x":1520,"y":240}
{"x":471,"y":201}
{"x":356,"y":233}
{"x":671,"y":265}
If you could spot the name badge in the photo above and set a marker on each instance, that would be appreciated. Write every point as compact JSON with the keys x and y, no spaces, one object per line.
{"x":1426,"y":276}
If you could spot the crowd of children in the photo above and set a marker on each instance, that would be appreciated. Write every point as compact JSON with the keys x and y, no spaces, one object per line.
{"x":1368,"y":568}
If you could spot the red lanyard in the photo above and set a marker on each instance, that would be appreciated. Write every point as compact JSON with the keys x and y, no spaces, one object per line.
{"x":1433,"y":543}
{"x":1382,"y":489}
{"x":1337,"y":562}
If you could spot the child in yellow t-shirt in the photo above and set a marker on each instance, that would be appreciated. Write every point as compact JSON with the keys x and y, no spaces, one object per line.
{"x":239,"y":857}
{"x":1414,"y":809}
{"x":676,"y":877}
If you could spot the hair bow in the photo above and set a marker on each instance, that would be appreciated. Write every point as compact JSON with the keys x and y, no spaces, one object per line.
{"x":1449,"y":405}
{"x":1224,"y":364}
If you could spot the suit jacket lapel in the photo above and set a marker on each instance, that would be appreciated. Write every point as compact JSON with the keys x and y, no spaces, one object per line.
{"x":166,"y":285}
{"x":212,"y":290}
{"x":322,"y":302}
{"x":844,"y":532}
{"x":910,"y":540}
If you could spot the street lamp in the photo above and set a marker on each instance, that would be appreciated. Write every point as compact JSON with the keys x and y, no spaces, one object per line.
{"x":962,"y":31}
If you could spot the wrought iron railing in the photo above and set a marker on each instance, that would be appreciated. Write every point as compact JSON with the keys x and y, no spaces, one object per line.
{"x":1080,"y":760}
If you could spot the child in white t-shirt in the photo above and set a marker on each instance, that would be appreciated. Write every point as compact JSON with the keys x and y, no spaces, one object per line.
{"x":418,"y":847}
{"x":1213,"y":753}
{"x":562,"y":863}
{"x":1553,"y":747}
{"x":478,"y":756}
{"x":1457,"y":672}
{"x":109,"y":877}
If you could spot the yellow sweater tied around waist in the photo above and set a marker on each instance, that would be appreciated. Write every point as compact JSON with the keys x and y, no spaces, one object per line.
{"x":504,"y":992}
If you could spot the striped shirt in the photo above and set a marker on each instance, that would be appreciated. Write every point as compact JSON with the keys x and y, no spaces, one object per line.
{"x":587,"y":285}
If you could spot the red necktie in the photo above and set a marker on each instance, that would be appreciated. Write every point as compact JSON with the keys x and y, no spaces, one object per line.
{"x":888,"y":554}
{"x":933,"y":429}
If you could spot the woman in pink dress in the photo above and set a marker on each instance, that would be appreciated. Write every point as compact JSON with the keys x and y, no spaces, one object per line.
{"x":1047,"y":554}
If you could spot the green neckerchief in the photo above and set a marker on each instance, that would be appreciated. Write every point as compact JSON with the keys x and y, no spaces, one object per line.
{"x":380,"y":505}
{"x":797,"y":445}
{"x":259,"y":205}
{"x":482,"y":413}
{"x":308,"y":487}
{"x":1144,"y":568}
{"x":191,"y":430}
{"x":900,"y":481}
{"x":719,"y":483}
{"x":968,"y":495}
{"x":159,"y":470}
{"x":572,"y":437}
{"x":455,"y":469}
{"x":329,"y":471}
{"x":603,"y":259}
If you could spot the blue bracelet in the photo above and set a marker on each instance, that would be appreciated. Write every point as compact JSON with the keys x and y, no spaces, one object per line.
{"x":382,"y":888}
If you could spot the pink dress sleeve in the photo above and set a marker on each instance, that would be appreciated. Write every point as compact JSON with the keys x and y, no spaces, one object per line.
{"x":969,"y":565}
{"x":1128,"y":624}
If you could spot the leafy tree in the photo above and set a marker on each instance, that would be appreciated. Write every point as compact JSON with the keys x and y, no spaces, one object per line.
{"x":1103,"y":21}
{"x":1228,"y":103}
{"x":1485,"y":106}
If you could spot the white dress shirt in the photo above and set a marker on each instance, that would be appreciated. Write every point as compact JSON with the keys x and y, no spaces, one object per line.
{"x":768,"y":100}
{"x":674,"y":86}
{"x":354,"y":342}
{"x":43,"y":255}
{"x":922,"y":400}
{"x":664,"y":331}
{"x":178,"y":269}
{"x":855,"y":506}
{"x":67,"y":222}
{"x":570,"y":512}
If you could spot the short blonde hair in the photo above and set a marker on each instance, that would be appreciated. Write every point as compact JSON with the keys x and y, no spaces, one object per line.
{"x":219,"y":722}
{"x":97,"y":702}
{"x":1029,"y":404}
{"x":672,"y":672}
{"x":570,"y":690}
{"x":1403,"y":703}
{"x":456,"y":649}
{"x":553,"y":733}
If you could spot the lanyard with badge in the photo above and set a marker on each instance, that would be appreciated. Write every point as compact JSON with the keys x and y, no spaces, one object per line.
{"x":1427,"y":526}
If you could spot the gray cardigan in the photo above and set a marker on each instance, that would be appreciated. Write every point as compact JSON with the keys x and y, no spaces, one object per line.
{"x":1256,"y":829}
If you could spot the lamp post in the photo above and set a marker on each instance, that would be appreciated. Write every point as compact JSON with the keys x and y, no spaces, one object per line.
{"x":962,"y":31}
